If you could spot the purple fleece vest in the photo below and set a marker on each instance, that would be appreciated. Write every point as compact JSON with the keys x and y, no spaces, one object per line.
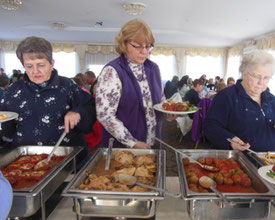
{"x":130,"y":109}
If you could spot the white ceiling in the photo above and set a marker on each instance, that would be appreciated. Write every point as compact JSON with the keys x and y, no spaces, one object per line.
{"x":203,"y":23}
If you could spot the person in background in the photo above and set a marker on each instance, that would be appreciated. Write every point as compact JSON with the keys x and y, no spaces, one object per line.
{"x":245,"y":111}
{"x":127,"y":89}
{"x":183,"y":85}
{"x":90,"y":79}
{"x":171,"y":87}
{"x":230,"y":81}
{"x":211,"y":85}
{"x":193,"y":94}
{"x":5,"y":197}
{"x":94,"y":138}
{"x":217,"y":80}
{"x":204,"y":93}
{"x":15,"y":76}
{"x":4,"y":83}
{"x":2,"y":71}
{"x":47,"y":104}
{"x":220,"y":87}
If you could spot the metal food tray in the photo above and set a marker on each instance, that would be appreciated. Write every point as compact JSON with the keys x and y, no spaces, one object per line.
{"x":208,"y":205}
{"x":101,"y":203}
{"x":28,"y":201}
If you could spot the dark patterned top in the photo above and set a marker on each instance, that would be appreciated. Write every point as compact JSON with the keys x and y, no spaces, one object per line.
{"x":42,"y":108}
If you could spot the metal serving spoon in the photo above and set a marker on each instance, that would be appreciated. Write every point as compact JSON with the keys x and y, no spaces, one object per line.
{"x":206,"y":167}
{"x":127,"y":179}
{"x":207,"y":182}
{"x":45,"y":162}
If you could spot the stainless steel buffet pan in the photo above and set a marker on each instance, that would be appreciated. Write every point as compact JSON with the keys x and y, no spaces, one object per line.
{"x":209,"y":206}
{"x":113,"y":203}
{"x":27,"y":201}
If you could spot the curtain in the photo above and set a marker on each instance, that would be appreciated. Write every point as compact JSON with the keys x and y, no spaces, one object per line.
{"x":98,"y":59}
{"x":2,"y":61}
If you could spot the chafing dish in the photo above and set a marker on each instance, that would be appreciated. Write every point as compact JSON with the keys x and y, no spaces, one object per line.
{"x":209,"y":206}
{"x":99,"y":203}
{"x":28,"y":201}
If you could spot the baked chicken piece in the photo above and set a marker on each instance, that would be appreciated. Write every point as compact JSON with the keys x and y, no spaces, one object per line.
{"x":99,"y":183}
{"x":130,"y":171}
{"x":118,"y":187}
{"x":143,"y":171}
{"x":145,"y":159}
{"x":125,"y":157}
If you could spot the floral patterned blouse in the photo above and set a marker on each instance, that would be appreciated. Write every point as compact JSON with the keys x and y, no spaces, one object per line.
{"x":41,"y":110}
{"x":106,"y":111}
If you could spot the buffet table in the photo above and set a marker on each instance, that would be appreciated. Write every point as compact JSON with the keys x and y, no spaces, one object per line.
{"x":170,"y":208}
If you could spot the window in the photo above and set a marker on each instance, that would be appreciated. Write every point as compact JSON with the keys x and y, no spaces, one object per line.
{"x":96,"y":68}
{"x":196,"y":66}
{"x":11,"y":63}
{"x":271,"y":84}
{"x":167,"y":65}
{"x":65,"y":63}
{"x":234,"y":63}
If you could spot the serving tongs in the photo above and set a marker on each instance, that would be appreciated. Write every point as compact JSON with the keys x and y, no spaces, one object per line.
{"x":206,"y":167}
{"x":252,"y":151}
{"x":109,"y":153}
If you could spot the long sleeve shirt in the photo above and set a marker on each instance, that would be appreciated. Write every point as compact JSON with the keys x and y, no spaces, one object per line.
{"x":234,"y":113}
{"x":109,"y":83}
{"x":42,"y":108}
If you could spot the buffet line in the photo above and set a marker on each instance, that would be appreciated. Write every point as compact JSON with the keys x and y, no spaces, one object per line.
{"x":236,"y":186}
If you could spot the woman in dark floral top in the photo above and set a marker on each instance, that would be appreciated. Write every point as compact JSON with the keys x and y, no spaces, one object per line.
{"x":47,"y":104}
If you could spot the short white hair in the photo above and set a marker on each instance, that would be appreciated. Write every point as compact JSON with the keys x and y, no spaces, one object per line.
{"x":256,"y":58}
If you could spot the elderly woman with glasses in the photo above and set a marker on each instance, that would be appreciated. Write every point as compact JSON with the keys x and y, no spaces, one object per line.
{"x":245,"y":112}
{"x":127,"y":89}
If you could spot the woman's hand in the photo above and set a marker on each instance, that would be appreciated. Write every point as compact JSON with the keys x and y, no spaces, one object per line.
{"x":71,"y":119}
{"x":141,"y":145}
{"x":239,"y":141}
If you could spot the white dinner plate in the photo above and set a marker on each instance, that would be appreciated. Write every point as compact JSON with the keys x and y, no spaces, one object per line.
{"x":262,"y":172}
{"x":158,"y":107}
{"x":10,"y":116}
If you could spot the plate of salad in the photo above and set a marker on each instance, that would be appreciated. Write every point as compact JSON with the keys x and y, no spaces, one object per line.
{"x":267,"y":173}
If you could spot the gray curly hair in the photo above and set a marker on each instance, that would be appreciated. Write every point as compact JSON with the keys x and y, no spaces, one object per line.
{"x":256,"y":58}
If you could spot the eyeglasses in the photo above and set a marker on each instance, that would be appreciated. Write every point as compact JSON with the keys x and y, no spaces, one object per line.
{"x":140,"y":48}
{"x":258,"y":77}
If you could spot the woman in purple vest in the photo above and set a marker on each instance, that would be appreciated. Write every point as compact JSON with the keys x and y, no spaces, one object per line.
{"x":127,"y":89}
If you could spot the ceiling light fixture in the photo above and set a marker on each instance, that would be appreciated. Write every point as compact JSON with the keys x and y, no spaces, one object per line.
{"x":58,"y":26}
{"x":10,"y":4}
{"x":134,"y":8}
